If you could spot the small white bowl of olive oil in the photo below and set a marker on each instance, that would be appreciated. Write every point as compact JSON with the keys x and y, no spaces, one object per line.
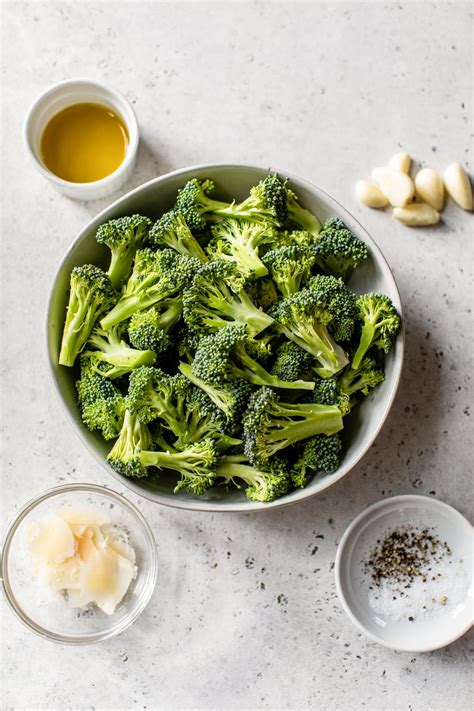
{"x":82,"y":137}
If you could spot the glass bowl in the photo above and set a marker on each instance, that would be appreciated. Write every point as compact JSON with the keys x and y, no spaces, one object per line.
{"x":46,"y":612}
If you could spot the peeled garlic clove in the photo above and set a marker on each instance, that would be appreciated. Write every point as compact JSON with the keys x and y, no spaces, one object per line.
{"x":400,"y":161}
{"x":370,"y":194}
{"x":396,"y":186}
{"x":417,"y":215}
{"x":429,"y":186}
{"x":456,"y":182}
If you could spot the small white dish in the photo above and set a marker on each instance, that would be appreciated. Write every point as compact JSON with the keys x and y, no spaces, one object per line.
{"x":428,"y":630}
{"x":56,"y":99}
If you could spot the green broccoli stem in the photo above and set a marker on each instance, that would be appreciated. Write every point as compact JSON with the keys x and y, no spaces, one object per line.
{"x":121,"y":264}
{"x":177,"y":461}
{"x":303,"y":218}
{"x":128,"y":305}
{"x":213,"y":393}
{"x":116,"y":352}
{"x":258,"y":375}
{"x":312,"y":419}
{"x":230,"y":468}
{"x":316,"y":340}
{"x":79,"y":323}
{"x":244,"y":311}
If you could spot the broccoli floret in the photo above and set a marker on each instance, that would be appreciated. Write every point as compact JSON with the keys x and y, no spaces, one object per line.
{"x":153,"y":394}
{"x":197,"y":465}
{"x":340,"y":303}
{"x":338,"y":251}
{"x":187,"y":342}
{"x":319,"y":454}
{"x":380,"y":324}
{"x":205,"y":420}
{"x":101,"y":403}
{"x":210,"y":303}
{"x":149,"y":329}
{"x":239,"y":241}
{"x":155,"y":276}
{"x":91,"y":294}
{"x":228,"y":354}
{"x":361,"y":380}
{"x":267,"y":202}
{"x":231,"y":398}
{"x":304,"y":319}
{"x":291,"y":362}
{"x":304,"y":219}
{"x":271,"y":425}
{"x":124,"y":455}
{"x":263,"y":484}
{"x":290,"y":267}
{"x":171,"y":230}
{"x":292,"y":238}
{"x":123,"y":237}
{"x":114,"y":354}
{"x":327,"y":392}
{"x":262,"y":292}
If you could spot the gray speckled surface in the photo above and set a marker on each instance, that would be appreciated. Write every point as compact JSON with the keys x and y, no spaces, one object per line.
{"x":245,"y":614}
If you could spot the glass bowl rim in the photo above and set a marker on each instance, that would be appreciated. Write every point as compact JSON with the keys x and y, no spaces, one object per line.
{"x":109,"y":631}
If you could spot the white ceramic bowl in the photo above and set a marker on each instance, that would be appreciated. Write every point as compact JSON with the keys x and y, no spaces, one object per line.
{"x":59,"y":97}
{"x":232,"y":181}
{"x":439,"y":625}
{"x":46,"y":613}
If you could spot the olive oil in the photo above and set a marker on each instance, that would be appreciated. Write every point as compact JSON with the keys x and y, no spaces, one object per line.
{"x":84,"y":143}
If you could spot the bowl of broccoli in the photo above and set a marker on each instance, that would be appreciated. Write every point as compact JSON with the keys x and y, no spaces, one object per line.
{"x":225,"y":338}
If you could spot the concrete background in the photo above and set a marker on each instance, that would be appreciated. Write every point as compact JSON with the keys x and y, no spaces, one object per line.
{"x":245,"y":614}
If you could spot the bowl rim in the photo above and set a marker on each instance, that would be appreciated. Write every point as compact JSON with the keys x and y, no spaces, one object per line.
{"x":341,"y":557}
{"x":113,"y":629}
{"x":244,"y":506}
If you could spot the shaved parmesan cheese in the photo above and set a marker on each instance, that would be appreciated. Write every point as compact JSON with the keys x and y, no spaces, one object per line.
{"x":84,"y":555}
{"x":51,"y":540}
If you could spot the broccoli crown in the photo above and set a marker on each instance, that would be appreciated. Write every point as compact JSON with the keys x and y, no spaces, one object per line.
{"x":263,"y":484}
{"x":239,"y":241}
{"x":216,"y":299}
{"x":304,"y":319}
{"x":149,"y":329}
{"x":380,"y":324}
{"x":193,"y":202}
{"x":153,"y":394}
{"x":115,"y":356}
{"x":197,"y":465}
{"x":321,"y":453}
{"x":339,"y":302}
{"x":338,"y":251}
{"x":291,"y":362}
{"x":292,"y":238}
{"x":304,"y":219}
{"x":268,"y":199}
{"x":262,"y":292}
{"x":231,"y":398}
{"x":155,"y":276}
{"x":124,"y":456}
{"x":204,"y":419}
{"x":230,"y":354}
{"x":123,"y":237}
{"x":187,"y":342}
{"x":172,"y":231}
{"x":91,"y":294}
{"x":361,"y":380}
{"x":290,"y":267}
{"x":101,"y":403}
{"x":271,"y":425}
{"x":327,"y":392}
